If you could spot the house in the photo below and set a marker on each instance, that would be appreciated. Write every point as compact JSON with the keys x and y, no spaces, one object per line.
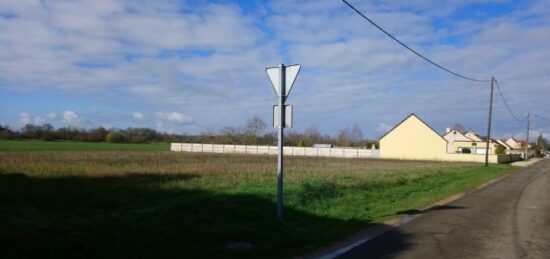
{"x":473,"y":136}
{"x":514,"y":144}
{"x":412,"y":138}
{"x":505,"y":145}
{"x":454,"y":135}
{"x":468,"y":142}
{"x":474,"y":147}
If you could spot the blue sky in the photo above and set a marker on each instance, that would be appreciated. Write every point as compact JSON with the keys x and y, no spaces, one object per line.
{"x":195,"y":66}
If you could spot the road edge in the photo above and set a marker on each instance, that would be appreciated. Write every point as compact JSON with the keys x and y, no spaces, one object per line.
{"x":343,"y":246}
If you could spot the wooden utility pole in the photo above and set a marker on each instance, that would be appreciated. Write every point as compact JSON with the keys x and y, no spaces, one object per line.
{"x":489,"y":126}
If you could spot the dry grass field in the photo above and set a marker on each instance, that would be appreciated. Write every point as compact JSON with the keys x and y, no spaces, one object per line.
{"x":163,"y":204}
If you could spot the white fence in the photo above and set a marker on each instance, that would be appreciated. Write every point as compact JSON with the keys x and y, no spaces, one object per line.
{"x":273,"y":150}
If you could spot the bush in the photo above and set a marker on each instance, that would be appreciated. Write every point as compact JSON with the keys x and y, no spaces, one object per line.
{"x":500,"y":150}
{"x":115,"y":137}
{"x":466,"y":151}
{"x":538,"y":152}
{"x":5,"y":134}
{"x":301,"y":143}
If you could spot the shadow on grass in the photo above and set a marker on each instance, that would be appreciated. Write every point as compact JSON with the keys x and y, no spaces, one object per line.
{"x":439,"y":207}
{"x":147,"y":216}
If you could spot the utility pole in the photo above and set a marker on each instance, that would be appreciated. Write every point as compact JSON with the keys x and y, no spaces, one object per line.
{"x":489,"y":123}
{"x":527,"y":140}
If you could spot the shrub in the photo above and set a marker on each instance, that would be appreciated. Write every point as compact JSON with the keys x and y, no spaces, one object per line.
{"x":500,"y":150}
{"x":115,"y":137}
{"x":301,"y":143}
{"x":466,"y":151}
{"x":538,"y":152}
{"x":5,"y":134}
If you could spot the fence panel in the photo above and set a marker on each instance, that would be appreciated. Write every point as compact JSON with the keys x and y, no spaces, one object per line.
{"x":273,"y":150}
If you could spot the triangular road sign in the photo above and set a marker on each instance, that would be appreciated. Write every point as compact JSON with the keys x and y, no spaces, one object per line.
{"x":274,"y":77}
{"x":290,"y":76}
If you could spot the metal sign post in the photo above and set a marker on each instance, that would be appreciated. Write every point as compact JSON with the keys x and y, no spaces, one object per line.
{"x":282,"y":78}
{"x":280,"y":144}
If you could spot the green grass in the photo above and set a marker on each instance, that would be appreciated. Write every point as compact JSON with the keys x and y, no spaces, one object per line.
{"x":18,"y":145}
{"x":163,"y":204}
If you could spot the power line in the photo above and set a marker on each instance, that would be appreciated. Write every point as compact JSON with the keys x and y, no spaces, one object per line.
{"x":412,"y":50}
{"x":540,"y":117}
{"x":506,"y":103}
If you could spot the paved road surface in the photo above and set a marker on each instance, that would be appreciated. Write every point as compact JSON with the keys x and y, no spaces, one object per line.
{"x":507,"y":219}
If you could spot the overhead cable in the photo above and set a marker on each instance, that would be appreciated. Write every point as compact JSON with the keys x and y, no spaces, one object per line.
{"x":506,"y":103}
{"x":412,"y":50}
{"x":540,"y":117}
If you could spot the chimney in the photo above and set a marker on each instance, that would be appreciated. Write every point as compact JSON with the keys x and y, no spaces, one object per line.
{"x":447,"y":130}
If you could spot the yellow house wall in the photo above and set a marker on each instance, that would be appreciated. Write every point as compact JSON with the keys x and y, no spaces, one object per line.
{"x":412,"y":139}
{"x":468,"y":144}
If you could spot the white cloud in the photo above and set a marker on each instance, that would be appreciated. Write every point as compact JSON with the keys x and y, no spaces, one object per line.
{"x":24,"y":118}
{"x":174,"y":118}
{"x":138,"y":116}
{"x":70,"y":116}
{"x":51,"y":116}
{"x":209,"y":59}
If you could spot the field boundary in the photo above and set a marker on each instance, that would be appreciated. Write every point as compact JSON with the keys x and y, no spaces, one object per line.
{"x":273,"y":150}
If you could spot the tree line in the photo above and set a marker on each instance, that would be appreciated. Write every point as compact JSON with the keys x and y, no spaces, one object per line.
{"x":254,"y":132}
{"x":47,"y":132}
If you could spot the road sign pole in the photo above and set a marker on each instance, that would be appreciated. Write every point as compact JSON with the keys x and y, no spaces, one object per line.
{"x":281,"y":135}
{"x":282,"y":79}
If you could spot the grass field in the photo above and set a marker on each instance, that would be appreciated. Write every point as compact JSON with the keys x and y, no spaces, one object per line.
{"x":163,"y":204}
{"x":15,"y":145}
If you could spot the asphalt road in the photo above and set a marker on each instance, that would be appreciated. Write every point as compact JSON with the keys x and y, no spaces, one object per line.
{"x":507,"y":219}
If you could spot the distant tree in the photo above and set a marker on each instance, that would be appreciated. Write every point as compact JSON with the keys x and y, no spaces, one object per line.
{"x":31,"y":131}
{"x":254,"y":127}
{"x":97,"y":135}
{"x":356,"y":134}
{"x":115,"y":137}
{"x":269,"y":138}
{"x":209,"y":137}
{"x":342,"y":138}
{"x":231,"y":135}
{"x":538,"y":151}
{"x":47,"y":132}
{"x":370,"y":143}
{"x":301,"y":143}
{"x":6,"y":133}
{"x":140,"y":135}
{"x":541,"y":142}
{"x":312,"y":136}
